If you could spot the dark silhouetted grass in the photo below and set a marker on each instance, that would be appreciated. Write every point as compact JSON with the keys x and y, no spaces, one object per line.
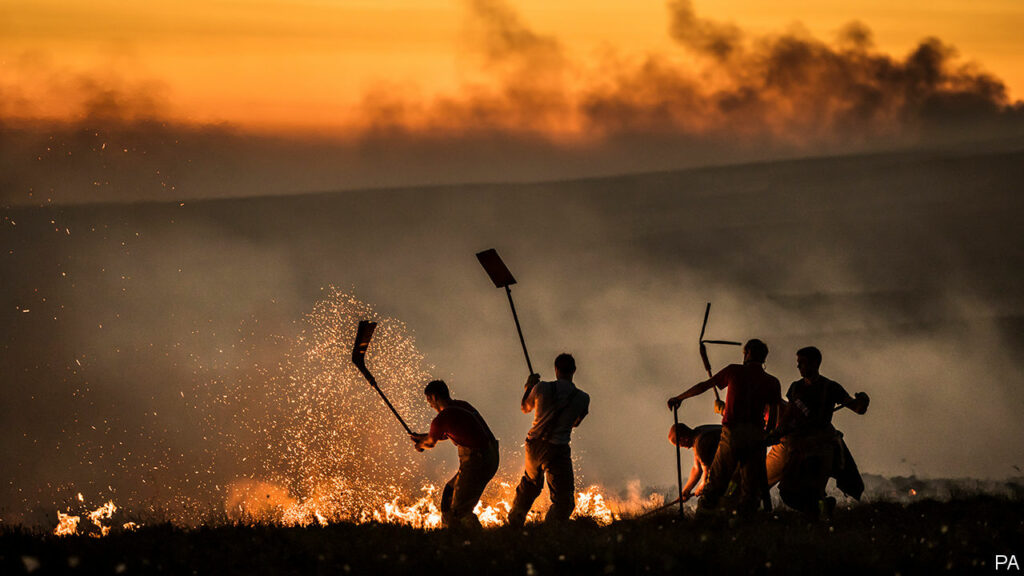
{"x":925,"y":537}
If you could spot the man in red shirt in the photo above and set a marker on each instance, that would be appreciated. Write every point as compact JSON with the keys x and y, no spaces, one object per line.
{"x":750,"y":394}
{"x":459,"y":422}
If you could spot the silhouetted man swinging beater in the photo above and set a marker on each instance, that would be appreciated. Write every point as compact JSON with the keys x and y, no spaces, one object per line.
{"x":478,"y":453}
{"x":560,"y":406}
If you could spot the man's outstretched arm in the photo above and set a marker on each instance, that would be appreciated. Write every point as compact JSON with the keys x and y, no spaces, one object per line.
{"x":859,"y":403}
{"x":695,"y":390}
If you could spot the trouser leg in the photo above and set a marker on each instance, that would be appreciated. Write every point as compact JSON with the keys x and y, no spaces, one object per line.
{"x":798,"y":488}
{"x":561,"y":484}
{"x":776,"y":463}
{"x":803,"y":484}
{"x":446,"y":499}
{"x":793,"y":487}
{"x":722,"y":468}
{"x":819,"y":471}
{"x":753,"y":477}
{"x":475,"y":471}
{"x":530,"y":486}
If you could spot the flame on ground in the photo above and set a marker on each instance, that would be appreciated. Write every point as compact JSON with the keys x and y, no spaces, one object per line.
{"x":253,"y":502}
{"x":67,"y":525}
{"x":305,"y":437}
{"x":105,"y":512}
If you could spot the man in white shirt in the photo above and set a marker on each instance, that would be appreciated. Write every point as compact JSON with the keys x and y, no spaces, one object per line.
{"x":559,"y":406}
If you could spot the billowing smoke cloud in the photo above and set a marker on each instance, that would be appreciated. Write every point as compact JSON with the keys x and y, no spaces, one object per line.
{"x":787,"y":90}
{"x":541,"y":113}
{"x":703,"y":36}
{"x":804,"y":89}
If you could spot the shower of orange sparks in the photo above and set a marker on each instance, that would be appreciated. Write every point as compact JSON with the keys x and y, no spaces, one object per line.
{"x":325,"y":451}
{"x":342,"y":459}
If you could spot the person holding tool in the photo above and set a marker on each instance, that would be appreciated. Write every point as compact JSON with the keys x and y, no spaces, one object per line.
{"x":719,"y":406}
{"x":558,"y":406}
{"x":704,"y":441}
{"x":459,"y":422}
{"x":810,"y":447}
{"x":750,"y":393}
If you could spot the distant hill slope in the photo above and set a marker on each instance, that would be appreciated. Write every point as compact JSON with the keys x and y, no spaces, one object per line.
{"x":906,"y":269}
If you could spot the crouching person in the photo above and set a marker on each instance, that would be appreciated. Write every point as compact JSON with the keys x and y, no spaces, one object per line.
{"x":704,"y":441}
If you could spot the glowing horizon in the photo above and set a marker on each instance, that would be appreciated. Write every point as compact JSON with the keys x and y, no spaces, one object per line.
{"x":314,"y":66}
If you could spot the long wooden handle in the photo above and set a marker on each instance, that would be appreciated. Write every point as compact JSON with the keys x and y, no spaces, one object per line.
{"x":515,"y":317}
{"x":679,"y":462}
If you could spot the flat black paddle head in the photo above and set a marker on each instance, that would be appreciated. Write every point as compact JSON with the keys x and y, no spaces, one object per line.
{"x":707,"y":310}
{"x":729,"y":342}
{"x":704,"y":357}
{"x":495,"y":268}
{"x":363,"y":336}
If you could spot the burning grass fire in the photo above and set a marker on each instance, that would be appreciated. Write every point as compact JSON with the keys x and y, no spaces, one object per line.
{"x":67,"y":525}
{"x":307,"y":442}
{"x":261,"y":503}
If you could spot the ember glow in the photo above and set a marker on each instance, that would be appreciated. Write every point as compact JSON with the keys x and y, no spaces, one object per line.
{"x":319,"y":447}
{"x":337,"y":454}
{"x":262,"y":503}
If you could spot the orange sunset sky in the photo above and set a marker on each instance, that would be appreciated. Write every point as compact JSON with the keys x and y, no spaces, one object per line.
{"x":303,"y":64}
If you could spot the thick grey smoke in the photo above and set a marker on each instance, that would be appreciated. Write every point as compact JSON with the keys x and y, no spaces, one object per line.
{"x":904,"y":269}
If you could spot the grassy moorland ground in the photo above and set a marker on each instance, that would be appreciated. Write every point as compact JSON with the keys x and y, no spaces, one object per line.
{"x":926,"y":537}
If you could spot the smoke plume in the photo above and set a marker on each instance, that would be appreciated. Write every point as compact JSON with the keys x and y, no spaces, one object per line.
{"x":538,"y":111}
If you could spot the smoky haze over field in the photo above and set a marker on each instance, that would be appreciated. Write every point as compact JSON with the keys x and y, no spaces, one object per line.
{"x":152,"y":268}
{"x":537,"y":111}
{"x":903,"y":268}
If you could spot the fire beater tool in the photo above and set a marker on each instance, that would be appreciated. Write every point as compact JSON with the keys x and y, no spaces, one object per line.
{"x":502,"y":278}
{"x":679,"y":462}
{"x":363,"y":336}
{"x":719,"y":405}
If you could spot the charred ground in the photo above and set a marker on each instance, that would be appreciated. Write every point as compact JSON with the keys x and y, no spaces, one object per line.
{"x":957,"y":536}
